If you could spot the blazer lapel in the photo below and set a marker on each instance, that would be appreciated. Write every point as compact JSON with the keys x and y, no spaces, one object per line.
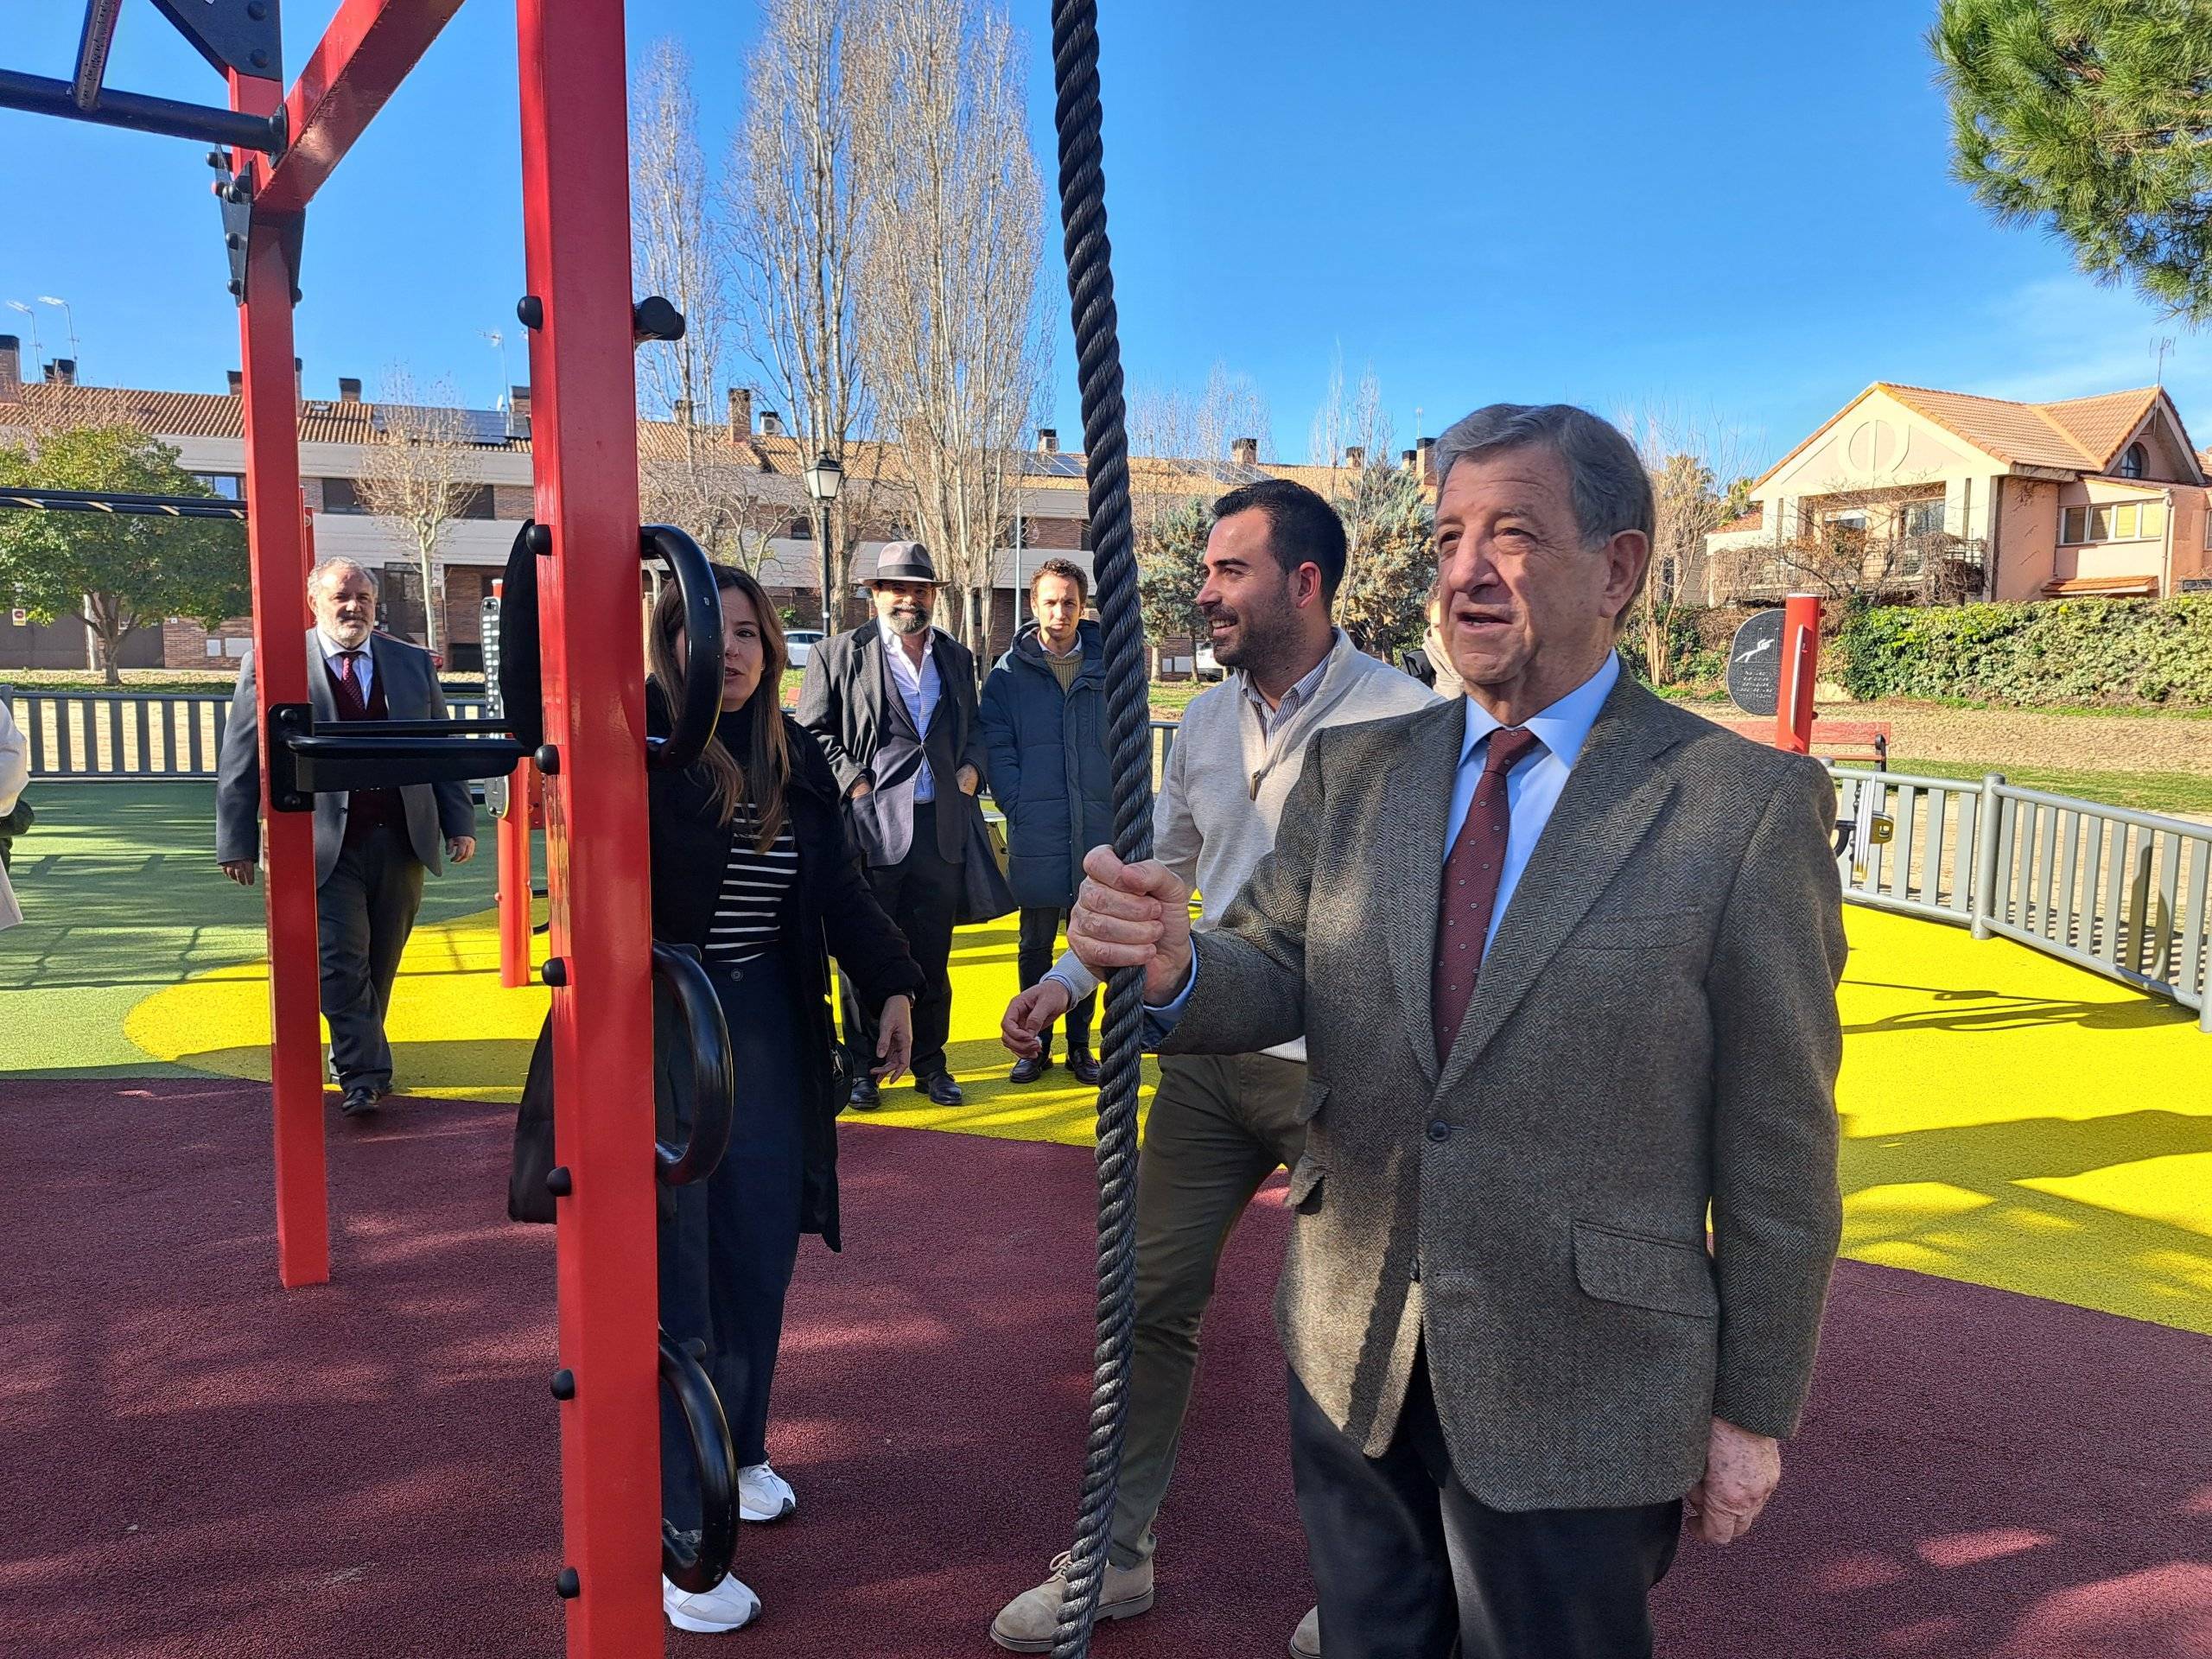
{"x":1613,"y":798}
{"x":1411,"y":838}
{"x":320,"y":698}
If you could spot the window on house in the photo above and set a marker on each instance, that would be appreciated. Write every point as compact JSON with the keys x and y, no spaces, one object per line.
{"x":800,"y":528}
{"x":2113,"y":521}
{"x":1923,"y":517}
{"x":229,"y":485}
{"x":476,"y":504}
{"x":341,"y":495}
{"x":2135,"y":462}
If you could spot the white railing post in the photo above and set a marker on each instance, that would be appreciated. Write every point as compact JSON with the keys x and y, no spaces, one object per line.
{"x":1981,"y":899}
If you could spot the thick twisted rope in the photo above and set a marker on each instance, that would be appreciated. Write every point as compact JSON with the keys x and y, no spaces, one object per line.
{"x":1098,"y":358}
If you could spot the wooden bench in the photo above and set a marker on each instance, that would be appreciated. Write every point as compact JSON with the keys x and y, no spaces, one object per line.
{"x":1838,"y":740}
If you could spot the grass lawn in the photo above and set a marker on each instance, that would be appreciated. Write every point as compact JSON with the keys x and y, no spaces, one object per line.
{"x":2146,"y":791}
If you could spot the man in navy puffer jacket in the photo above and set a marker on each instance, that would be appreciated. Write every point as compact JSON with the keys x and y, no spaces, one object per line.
{"x":1043,"y":719}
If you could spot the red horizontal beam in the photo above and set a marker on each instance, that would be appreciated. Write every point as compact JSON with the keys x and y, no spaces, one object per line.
{"x":366,"y":51}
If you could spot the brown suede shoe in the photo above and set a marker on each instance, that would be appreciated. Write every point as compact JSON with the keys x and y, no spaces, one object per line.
{"x":1026,"y":1623}
{"x":1306,"y":1640}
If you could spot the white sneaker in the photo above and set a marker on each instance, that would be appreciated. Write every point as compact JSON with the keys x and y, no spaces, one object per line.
{"x":729,"y":1607}
{"x":764,"y":1495}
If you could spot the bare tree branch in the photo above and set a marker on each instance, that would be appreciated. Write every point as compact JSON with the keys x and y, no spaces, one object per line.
{"x":415,"y":471}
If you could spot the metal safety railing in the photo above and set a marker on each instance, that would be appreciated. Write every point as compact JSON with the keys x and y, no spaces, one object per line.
{"x":128,"y":737}
{"x":2121,"y":893}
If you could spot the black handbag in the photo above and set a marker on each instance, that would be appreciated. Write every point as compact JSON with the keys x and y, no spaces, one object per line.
{"x":984,"y":895}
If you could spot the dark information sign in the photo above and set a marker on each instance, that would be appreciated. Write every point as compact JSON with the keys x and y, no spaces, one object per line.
{"x":1755,"y":664}
{"x":495,"y":789}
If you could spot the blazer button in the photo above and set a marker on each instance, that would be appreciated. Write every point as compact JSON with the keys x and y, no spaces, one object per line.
{"x":1439,"y":1130}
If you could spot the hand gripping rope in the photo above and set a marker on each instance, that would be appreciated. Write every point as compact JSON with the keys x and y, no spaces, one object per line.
{"x":1098,"y":353}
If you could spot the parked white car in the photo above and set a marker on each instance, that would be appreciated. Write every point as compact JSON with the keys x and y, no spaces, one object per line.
{"x":1208,"y":669}
{"x":801,"y":642}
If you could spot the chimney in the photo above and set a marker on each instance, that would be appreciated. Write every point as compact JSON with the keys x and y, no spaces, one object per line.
{"x":1355,"y":457}
{"x":771,"y":424}
{"x":517,"y":411}
{"x":234,"y":382}
{"x":1405,"y":459}
{"x":11,"y":366}
{"x":741,"y":411}
{"x":349,"y":391}
{"x":62,"y":372}
{"x":1425,"y":459}
{"x":299,"y":392}
{"x":683,"y":411}
{"x":1245,"y":452}
{"x":1048,"y":441}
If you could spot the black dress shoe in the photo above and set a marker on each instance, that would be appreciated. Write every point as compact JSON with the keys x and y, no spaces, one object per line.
{"x":1028,"y":1070}
{"x":362,"y":1098}
{"x":942,"y":1090}
{"x":1082,"y":1068}
{"x":865,"y":1096}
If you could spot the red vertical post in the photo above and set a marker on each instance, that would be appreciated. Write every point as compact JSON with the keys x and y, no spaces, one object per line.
{"x":1800,"y":658}
{"x":576,"y":236}
{"x":277,"y":541}
{"x":514,"y":877}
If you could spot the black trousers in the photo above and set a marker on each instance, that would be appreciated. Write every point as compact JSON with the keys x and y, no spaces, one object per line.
{"x":1039,"y":949}
{"x":726,"y":1258}
{"x":364,"y":912}
{"x":920,"y":893}
{"x":1410,"y":1565}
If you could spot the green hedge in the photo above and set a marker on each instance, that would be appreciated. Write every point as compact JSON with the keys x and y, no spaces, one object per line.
{"x":2126,"y":651}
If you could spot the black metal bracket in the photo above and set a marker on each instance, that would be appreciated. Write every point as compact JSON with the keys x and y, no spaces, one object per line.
{"x":234,"y":193}
{"x":307,"y":759}
{"x":246,"y":35}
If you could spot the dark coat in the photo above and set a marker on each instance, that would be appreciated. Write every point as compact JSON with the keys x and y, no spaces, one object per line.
{"x":1050,"y":772}
{"x":837,"y":914}
{"x":842,"y":701}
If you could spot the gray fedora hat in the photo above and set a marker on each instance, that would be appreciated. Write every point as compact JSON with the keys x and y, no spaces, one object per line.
{"x":905,"y":561}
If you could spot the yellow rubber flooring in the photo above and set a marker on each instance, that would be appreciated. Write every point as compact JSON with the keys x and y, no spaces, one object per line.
{"x":2008,"y":1120}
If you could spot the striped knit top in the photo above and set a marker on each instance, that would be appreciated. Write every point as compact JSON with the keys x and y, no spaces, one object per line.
{"x":747,"y":918}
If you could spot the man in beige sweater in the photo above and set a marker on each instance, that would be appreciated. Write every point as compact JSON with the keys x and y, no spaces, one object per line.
{"x":1220,"y":1124}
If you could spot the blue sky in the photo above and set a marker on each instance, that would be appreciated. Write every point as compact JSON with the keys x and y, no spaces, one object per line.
{"x":1739,"y":212}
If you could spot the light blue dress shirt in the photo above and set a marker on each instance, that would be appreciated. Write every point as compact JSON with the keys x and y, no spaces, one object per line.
{"x":919,"y":688}
{"x":1532,"y":789}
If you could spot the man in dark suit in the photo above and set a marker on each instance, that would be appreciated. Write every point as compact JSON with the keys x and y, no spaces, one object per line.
{"x":1566,"y":957}
{"x":371,"y":846}
{"x":894,"y":702}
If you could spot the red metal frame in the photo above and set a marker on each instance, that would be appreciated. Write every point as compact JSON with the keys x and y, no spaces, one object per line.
{"x":576,"y":216}
{"x":1801,"y":657}
{"x":276,"y":542}
{"x":584,"y":437}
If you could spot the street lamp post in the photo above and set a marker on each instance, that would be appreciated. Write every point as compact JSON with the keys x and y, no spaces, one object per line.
{"x":823,"y":480}
{"x":69,"y":320}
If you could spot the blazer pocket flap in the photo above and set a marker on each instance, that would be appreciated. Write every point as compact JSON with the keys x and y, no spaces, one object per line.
{"x":1640,"y":931}
{"x":1654,"y":1273}
{"x":1306,"y":1177}
{"x":1310,"y":1103}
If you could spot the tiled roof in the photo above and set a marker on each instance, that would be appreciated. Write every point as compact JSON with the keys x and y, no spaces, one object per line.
{"x":2102,"y":588}
{"x":2076,"y":435}
{"x":209,"y":415}
{"x":1754,"y":520}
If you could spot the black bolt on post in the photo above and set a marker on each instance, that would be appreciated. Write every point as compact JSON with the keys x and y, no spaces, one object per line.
{"x":1099,"y":355}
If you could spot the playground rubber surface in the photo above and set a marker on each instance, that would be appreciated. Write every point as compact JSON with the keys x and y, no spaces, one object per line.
{"x":2004,"y":1456}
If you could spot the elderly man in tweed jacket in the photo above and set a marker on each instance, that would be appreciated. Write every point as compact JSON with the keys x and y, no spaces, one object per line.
{"x":1566,"y":959}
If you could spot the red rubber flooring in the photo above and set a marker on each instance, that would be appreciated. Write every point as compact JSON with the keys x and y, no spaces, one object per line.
{"x":198,"y":1464}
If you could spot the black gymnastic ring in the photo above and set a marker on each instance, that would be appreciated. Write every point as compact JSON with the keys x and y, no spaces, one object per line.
{"x":702,"y":648}
{"x":713,"y":1085}
{"x":522,"y":679}
{"x":697,"y":1570}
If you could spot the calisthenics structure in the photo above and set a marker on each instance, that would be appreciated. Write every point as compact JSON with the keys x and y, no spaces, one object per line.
{"x":573,"y":567}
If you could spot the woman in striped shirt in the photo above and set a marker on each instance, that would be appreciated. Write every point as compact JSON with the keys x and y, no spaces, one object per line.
{"x":752,"y":865}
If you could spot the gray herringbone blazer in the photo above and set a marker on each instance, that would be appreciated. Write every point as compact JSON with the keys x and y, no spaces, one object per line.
{"x":1653,"y":1032}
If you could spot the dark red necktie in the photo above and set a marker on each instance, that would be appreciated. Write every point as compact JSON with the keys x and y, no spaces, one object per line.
{"x":1471,"y":878}
{"x":349,"y":684}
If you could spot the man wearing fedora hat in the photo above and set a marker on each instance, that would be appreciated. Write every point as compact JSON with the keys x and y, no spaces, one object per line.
{"x":893,"y":703}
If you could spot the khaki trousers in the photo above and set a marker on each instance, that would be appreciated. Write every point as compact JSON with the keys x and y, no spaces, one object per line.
{"x":1220,"y":1125}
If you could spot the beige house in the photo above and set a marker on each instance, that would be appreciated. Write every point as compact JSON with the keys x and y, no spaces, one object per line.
{"x":1946,"y":495}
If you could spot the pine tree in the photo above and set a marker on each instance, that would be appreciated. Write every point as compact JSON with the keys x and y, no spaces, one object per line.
{"x":1391,"y":560}
{"x":2093,"y":116}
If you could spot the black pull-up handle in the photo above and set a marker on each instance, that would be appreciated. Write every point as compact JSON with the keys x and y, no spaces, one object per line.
{"x":713,"y":1085}
{"x":699,"y":1569}
{"x":702,"y":648}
